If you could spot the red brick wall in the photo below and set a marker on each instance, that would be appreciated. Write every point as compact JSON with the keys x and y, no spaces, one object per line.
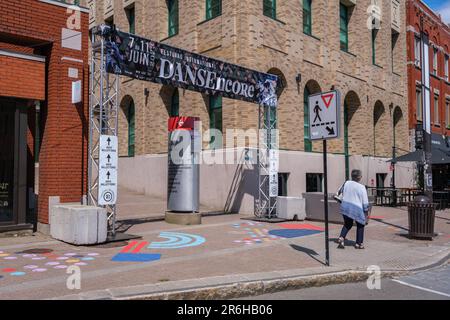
{"x":22,"y":78}
{"x":439,"y":34}
{"x":63,"y":156}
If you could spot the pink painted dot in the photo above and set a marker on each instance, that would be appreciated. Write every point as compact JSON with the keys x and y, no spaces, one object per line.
{"x":93,"y":254}
{"x":31,"y":267}
{"x":29,"y":255}
{"x":10,"y":258}
{"x":61,"y":267}
{"x":70,"y":254}
{"x":52,"y":263}
{"x":38,"y":258}
{"x":62,"y":258}
{"x":39,"y":270}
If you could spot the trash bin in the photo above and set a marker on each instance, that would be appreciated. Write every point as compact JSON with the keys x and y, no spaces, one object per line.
{"x":421,"y":215}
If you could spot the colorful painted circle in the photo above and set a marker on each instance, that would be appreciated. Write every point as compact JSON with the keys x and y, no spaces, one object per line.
{"x":31,"y":267}
{"x":39,"y":258}
{"x":70,"y":254}
{"x":87,"y":259}
{"x":79,"y":264}
{"x":93,"y":254}
{"x":29,"y":256}
{"x":72,"y":261}
{"x":39,"y":270}
{"x":62,"y":258}
{"x":4,"y":255}
{"x":10,"y":258}
{"x":9,"y":270}
{"x":60,"y":267}
{"x":18,"y":274}
{"x":52,"y":263}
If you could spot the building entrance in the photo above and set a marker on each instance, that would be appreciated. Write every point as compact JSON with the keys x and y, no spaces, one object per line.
{"x":13,"y":162}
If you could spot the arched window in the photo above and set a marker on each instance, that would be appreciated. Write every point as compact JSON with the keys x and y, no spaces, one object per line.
{"x":131,"y":129}
{"x":213,"y":9}
{"x":175,"y":104}
{"x":312,"y":87}
{"x":307,"y":138}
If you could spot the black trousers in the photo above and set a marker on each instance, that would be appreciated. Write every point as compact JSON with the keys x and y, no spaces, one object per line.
{"x":348,"y":224}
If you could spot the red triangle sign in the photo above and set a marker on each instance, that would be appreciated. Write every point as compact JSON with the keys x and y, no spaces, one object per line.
{"x":327,"y":98}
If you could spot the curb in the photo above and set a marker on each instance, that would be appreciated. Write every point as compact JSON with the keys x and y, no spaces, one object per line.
{"x":240,"y":286}
{"x":256,"y":288}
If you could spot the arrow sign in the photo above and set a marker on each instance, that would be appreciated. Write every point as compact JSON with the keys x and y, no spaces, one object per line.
{"x":108,"y":174}
{"x":109,"y":141}
{"x":109,"y":158}
{"x":327,"y":98}
{"x":330,"y":131}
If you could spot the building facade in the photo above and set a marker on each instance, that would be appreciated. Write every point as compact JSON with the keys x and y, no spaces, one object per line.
{"x":313,"y":46}
{"x":43,"y":140}
{"x":439,"y":37}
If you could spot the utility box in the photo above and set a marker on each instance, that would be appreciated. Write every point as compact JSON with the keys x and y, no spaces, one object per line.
{"x":291,"y":208}
{"x":78,"y":224}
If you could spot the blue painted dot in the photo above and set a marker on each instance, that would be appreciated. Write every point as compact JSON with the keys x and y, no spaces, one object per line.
{"x":87,"y":259}
{"x":18,"y":274}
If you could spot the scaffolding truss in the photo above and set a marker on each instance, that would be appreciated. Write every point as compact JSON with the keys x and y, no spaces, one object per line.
{"x":103,"y":115}
{"x":266,"y":203}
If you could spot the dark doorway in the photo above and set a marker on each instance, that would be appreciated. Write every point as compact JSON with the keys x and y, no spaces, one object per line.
{"x":13,"y":163}
{"x":381,"y":178}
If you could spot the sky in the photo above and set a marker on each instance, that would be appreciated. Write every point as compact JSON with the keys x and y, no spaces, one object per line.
{"x":440,"y":6}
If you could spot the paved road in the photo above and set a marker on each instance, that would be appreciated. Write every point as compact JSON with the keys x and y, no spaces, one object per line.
{"x":428,"y":285}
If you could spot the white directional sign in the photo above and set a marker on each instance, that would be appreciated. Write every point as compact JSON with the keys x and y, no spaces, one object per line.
{"x":107,"y":175}
{"x":324,"y":111}
{"x":274,"y":160}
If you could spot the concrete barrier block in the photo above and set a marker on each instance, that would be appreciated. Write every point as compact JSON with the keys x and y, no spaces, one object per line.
{"x":78,"y":224}
{"x":290,"y":208}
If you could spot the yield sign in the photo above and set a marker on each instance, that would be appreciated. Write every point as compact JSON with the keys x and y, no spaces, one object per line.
{"x":327,"y":98}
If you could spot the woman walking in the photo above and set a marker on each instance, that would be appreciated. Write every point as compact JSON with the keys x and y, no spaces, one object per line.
{"x":354,"y":207}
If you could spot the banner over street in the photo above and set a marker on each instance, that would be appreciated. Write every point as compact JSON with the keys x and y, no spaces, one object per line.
{"x":144,"y":59}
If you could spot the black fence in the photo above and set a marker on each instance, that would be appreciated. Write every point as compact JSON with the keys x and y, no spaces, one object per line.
{"x":399,"y":197}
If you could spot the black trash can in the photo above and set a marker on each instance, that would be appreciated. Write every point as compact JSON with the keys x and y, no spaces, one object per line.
{"x":421,"y":215}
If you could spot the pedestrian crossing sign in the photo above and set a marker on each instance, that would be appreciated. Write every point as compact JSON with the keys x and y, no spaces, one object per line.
{"x":324,"y":115}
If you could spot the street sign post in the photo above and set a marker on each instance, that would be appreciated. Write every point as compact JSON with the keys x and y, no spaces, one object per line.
{"x":324,"y":124}
{"x":107,"y":179}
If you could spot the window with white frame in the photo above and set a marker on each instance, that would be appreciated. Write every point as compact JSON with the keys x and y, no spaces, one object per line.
{"x":446,"y":67}
{"x":419,"y":108}
{"x":436,"y":110}
{"x":417,"y":51}
{"x":435,"y":61}
{"x":447,"y":113}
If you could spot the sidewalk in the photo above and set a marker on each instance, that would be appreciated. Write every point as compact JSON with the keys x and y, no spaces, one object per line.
{"x":225,"y":257}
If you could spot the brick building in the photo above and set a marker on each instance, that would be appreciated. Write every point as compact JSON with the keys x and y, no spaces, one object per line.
{"x":312,"y":45}
{"x":43,"y":51}
{"x":439,"y":36}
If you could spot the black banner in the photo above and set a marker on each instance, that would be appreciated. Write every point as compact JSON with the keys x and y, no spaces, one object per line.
{"x":144,"y":59}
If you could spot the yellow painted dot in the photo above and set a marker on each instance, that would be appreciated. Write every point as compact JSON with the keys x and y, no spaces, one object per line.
{"x":4,"y":254}
{"x":73,"y":261}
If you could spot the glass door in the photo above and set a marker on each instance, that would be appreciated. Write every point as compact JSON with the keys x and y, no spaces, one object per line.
{"x":13,"y":162}
{"x":7,"y":156}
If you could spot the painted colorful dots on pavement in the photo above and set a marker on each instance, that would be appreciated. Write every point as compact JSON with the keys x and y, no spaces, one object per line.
{"x":40,"y":260}
{"x":255,"y":233}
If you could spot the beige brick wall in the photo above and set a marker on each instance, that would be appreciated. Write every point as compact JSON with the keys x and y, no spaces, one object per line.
{"x":243,"y":35}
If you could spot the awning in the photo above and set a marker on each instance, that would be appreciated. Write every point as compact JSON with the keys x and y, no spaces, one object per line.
{"x":440,"y":152}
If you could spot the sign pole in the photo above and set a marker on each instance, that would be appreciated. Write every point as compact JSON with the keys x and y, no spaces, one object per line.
{"x":325,"y":203}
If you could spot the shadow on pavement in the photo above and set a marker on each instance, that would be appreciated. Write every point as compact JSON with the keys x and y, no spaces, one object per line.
{"x":311,"y":253}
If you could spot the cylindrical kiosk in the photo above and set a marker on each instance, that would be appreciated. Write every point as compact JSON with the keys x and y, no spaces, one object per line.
{"x":183,"y":185}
